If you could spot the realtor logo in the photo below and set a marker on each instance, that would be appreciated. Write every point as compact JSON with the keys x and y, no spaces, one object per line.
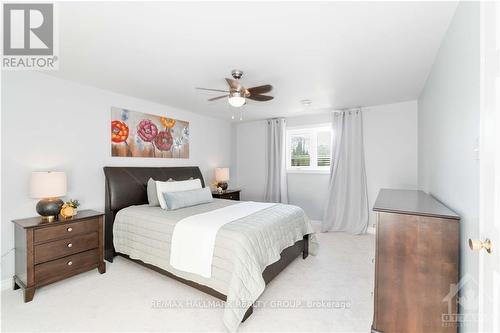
{"x":28,"y":36}
{"x":28,"y":29}
{"x":466,"y":294}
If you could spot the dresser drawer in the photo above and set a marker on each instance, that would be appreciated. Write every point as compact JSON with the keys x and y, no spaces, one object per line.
{"x":65,"y":230}
{"x":63,"y":247}
{"x":61,"y":268}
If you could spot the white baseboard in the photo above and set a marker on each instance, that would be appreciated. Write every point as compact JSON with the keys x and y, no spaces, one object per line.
{"x":370,"y":230}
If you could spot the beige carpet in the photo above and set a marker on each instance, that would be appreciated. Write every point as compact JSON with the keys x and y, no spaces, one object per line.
{"x":329,"y":292}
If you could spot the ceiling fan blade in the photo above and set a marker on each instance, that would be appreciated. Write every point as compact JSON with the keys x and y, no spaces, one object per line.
{"x":212,"y":89}
{"x":234,"y":84}
{"x":218,"y":97}
{"x":260,"y":89}
{"x":260,"y":98}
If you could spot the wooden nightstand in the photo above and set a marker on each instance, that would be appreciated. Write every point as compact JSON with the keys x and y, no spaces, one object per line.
{"x":47,"y":252}
{"x":228,"y":194}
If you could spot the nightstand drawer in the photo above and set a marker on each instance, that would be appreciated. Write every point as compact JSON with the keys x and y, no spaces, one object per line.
{"x":65,"y":230}
{"x":61,"y":268}
{"x":231,"y":196}
{"x":63,"y":247}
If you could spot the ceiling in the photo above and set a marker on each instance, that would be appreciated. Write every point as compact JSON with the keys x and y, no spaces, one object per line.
{"x":337,"y":54}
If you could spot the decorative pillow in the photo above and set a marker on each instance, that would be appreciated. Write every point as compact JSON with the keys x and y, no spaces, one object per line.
{"x":181,"y":199}
{"x":175,"y":186}
{"x":152,"y":196}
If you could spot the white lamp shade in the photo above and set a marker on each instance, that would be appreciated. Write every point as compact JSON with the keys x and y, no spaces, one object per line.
{"x":222,"y":174}
{"x":48,"y":184}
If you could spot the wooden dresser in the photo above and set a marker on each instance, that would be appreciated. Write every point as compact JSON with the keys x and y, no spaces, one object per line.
{"x":417,"y":258}
{"x":47,"y":252}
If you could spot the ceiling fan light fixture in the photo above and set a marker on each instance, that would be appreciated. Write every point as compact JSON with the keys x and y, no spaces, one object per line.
{"x":237,"y":94}
{"x":236,"y":99}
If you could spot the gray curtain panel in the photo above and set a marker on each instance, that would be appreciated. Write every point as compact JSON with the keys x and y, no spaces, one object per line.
{"x":277,"y":189}
{"x":347,"y":203}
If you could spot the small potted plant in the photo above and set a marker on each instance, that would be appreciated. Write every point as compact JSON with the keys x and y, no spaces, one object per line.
{"x":215,"y":184}
{"x":69,"y":209}
{"x":75,"y":204}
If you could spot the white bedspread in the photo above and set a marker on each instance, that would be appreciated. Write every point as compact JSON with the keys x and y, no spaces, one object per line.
{"x":243,"y":248}
{"x":193,"y":238}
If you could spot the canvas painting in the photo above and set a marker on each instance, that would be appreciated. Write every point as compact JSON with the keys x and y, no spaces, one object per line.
{"x":137,"y":134}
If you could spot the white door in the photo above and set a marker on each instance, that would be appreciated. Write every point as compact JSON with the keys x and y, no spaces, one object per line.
{"x":489,"y":263}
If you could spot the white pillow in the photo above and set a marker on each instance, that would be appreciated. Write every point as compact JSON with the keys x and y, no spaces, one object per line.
{"x":175,"y":186}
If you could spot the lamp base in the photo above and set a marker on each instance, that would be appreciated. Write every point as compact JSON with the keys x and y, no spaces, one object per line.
{"x":51,"y":218}
{"x":222,"y":185}
{"x":49,"y":208}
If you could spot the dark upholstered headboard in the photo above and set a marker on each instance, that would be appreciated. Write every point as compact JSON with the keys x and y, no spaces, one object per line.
{"x":126,"y":186}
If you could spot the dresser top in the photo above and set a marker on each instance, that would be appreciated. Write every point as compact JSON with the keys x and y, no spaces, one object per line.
{"x":412,"y":202}
{"x":32,"y":222}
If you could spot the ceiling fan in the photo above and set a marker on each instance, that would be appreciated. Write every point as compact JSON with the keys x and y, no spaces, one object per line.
{"x":238,"y":94}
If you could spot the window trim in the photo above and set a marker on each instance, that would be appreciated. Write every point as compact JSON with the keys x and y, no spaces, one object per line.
{"x":313,"y":150}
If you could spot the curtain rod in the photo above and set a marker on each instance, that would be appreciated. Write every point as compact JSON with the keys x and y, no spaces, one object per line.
{"x":276,"y":118}
{"x":352,"y":108}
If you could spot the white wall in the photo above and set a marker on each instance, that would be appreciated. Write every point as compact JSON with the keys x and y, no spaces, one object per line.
{"x":448,"y":127}
{"x":390,"y":153}
{"x":250,"y":159}
{"x":52,"y":124}
{"x":390,"y":148}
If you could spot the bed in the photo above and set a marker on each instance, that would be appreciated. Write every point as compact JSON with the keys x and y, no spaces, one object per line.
{"x":248,"y":253}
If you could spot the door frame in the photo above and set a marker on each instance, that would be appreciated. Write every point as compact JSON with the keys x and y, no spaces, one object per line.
{"x":489,"y":222}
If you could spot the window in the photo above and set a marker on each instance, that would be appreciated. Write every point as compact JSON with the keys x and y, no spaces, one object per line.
{"x":309,"y":149}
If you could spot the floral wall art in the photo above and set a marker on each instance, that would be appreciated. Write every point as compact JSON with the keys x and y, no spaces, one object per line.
{"x":137,"y":134}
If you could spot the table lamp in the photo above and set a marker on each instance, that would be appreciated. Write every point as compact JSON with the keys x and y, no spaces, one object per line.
{"x":48,"y":186}
{"x":222,"y":177}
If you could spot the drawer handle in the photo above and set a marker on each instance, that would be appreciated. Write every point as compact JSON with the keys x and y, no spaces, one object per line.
{"x":70,"y":263}
{"x":70,"y":229}
{"x":70,"y":245}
